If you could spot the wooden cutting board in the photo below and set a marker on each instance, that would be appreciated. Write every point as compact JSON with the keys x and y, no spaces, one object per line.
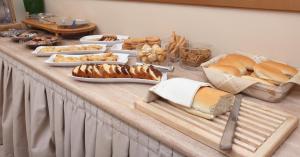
{"x":53,"y":28}
{"x":260,"y":129}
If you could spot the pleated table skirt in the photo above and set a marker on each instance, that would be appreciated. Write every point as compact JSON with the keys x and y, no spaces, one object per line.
{"x":41,"y":119}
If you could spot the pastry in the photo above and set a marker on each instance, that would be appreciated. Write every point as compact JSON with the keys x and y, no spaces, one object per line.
{"x":135,"y":43}
{"x":117,"y":71}
{"x":70,"y":48}
{"x":108,"y":38}
{"x":85,"y":58}
{"x":152,"y":54}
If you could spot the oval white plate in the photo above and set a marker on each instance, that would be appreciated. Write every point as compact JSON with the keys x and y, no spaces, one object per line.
{"x":93,"y":39}
{"x":37,"y":52}
{"x":122,"y":59}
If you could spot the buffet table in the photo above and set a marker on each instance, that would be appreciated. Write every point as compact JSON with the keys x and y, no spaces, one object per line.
{"x":46,"y":113}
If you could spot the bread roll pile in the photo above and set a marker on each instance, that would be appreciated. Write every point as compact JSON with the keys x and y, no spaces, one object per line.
{"x":267,"y":72}
{"x":117,"y":71}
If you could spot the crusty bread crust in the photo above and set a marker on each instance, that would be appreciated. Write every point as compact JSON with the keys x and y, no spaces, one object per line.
{"x":226,"y":69}
{"x":268,"y":72}
{"x":284,"y":68}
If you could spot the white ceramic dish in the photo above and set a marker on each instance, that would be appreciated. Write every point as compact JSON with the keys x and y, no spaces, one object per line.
{"x":117,"y":48}
{"x":94,"y":39}
{"x":37,"y":52}
{"x":122,"y":59}
{"x":119,"y":80}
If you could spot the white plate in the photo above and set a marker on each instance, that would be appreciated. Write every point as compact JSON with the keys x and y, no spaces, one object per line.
{"x":119,"y":80}
{"x":93,"y":39}
{"x":117,"y":48}
{"x":37,"y":52}
{"x":122,"y":59}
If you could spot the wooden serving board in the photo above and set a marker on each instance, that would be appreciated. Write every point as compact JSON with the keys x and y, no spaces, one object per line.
{"x":53,"y":28}
{"x":260,"y":129}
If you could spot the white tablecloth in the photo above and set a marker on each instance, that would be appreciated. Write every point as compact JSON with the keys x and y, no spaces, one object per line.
{"x":42,"y":119}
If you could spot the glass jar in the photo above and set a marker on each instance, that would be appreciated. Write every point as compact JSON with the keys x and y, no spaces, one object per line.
{"x":193,"y":55}
{"x":155,"y":55}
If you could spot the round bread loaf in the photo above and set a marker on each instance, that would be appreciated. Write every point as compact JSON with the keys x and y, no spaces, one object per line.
{"x":268,"y":72}
{"x":284,"y":68}
{"x":226,"y":69}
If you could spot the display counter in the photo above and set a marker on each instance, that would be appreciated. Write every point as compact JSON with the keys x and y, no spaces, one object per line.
{"x":46,"y":113}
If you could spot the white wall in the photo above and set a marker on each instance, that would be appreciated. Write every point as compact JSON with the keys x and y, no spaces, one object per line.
{"x":19,"y":9}
{"x":269,"y":33}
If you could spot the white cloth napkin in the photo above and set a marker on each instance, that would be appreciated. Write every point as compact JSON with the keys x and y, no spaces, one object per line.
{"x":177,"y":90}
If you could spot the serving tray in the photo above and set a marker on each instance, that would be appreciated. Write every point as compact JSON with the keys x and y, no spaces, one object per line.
{"x":260,"y":129}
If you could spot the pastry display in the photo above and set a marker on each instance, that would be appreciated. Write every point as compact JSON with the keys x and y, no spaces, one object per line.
{"x":152,"y":54}
{"x":85,"y":58}
{"x":135,"y":43}
{"x":71,"y":48}
{"x":267,"y":72}
{"x":45,"y":40}
{"x":117,"y":71}
{"x":108,"y":38}
{"x":174,"y":45}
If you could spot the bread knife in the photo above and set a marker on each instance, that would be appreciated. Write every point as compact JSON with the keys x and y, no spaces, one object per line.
{"x":228,"y":134}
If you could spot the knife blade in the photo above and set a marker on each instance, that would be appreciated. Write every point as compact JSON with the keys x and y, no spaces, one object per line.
{"x":228,"y":134}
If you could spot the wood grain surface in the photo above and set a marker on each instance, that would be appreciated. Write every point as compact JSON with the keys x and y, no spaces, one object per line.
{"x":118,"y":100}
{"x":282,"y":5}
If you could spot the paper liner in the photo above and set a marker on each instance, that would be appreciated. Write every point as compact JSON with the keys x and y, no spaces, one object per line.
{"x":180,"y":91}
{"x":235,"y":84}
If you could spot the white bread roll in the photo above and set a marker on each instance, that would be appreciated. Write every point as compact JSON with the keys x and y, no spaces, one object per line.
{"x":232,"y":62}
{"x":254,"y":78}
{"x":284,"y":68}
{"x":268,"y":72}
{"x":247,"y":62}
{"x":209,"y":103}
{"x":226,"y":69}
